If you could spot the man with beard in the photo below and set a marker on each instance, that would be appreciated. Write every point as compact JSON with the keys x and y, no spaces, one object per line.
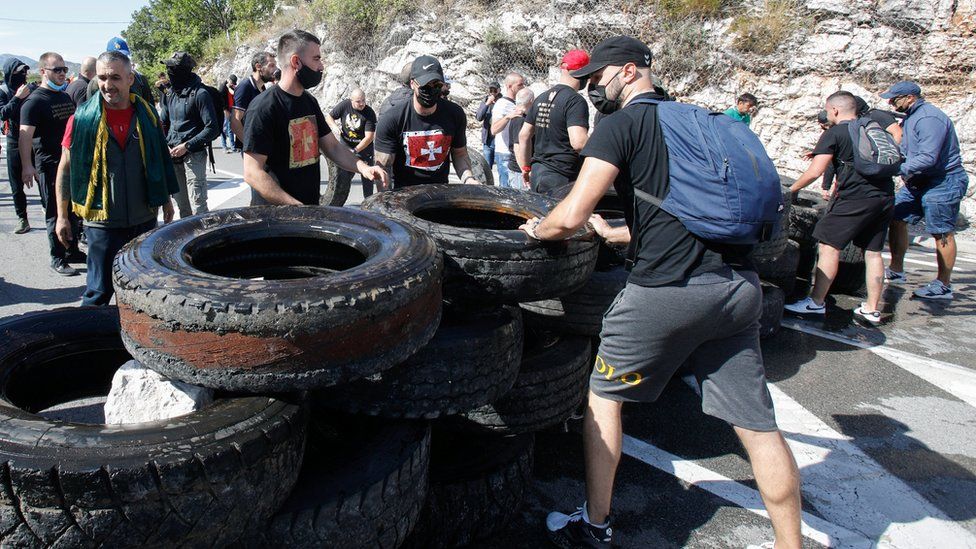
{"x":286,"y":130}
{"x":117,"y":184}
{"x":935,"y":183}
{"x":355,"y":123}
{"x":13,"y":92}
{"x":418,"y":138}
{"x":686,"y":301}
{"x":188,"y":113}
{"x":43,"y":118}
{"x":263,"y":68}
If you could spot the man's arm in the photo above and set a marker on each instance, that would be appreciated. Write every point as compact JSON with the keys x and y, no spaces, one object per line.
{"x":24,"y":146}
{"x":11,"y":105}
{"x":817,"y":168}
{"x":578,"y":135}
{"x":262,"y":182}
{"x":347,"y":160}
{"x":523,"y":154}
{"x":366,"y":142}
{"x":484,"y":110}
{"x":497,"y":125}
{"x":210,"y":130}
{"x":62,"y":192}
{"x":237,"y":124}
{"x":333,"y":124}
{"x":384,"y":161}
{"x":462,"y":166}
{"x":575,"y":210}
{"x":929,"y":134}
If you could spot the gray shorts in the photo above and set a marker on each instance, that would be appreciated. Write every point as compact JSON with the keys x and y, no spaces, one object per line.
{"x":711,"y":323}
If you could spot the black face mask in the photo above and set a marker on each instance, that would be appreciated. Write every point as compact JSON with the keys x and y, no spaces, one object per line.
{"x":17,"y":80}
{"x":598,"y":96}
{"x":308,"y":78}
{"x":427,"y":96}
{"x":178,"y":77}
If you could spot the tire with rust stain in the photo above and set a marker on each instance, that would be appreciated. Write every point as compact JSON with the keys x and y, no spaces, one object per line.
{"x":486,"y":256}
{"x":472,"y":360}
{"x":278,"y":298}
{"x":196,"y":480}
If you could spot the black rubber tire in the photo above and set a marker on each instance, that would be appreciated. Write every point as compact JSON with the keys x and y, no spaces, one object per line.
{"x":611,"y":208}
{"x":362,"y":485}
{"x":806,"y":210}
{"x":773,"y":299}
{"x":770,"y":250}
{"x":476,"y":486}
{"x":850,"y":272}
{"x":196,"y":480}
{"x":580,"y":312}
{"x":334,"y":194}
{"x":552,"y":381}
{"x":472,"y":360}
{"x":782,"y":272}
{"x":480,"y":168}
{"x":373,"y":301}
{"x":499,"y":263}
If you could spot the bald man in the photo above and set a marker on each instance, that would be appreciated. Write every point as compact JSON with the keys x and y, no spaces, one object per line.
{"x":355,"y":123}
{"x":78,"y":88}
{"x":502,"y":113}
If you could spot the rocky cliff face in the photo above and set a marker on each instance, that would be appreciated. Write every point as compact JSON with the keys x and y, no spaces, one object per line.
{"x":856,"y":45}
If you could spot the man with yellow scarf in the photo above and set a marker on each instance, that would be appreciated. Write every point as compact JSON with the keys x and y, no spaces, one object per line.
{"x":115,"y":172}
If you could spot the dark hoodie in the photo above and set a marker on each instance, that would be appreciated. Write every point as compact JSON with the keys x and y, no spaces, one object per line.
{"x":10,"y":105}
{"x":189,"y":114}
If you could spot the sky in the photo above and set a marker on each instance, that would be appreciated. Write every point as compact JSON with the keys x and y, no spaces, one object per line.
{"x":62,"y":26}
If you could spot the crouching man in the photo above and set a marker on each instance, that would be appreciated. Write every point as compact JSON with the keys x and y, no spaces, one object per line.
{"x":115,"y":172}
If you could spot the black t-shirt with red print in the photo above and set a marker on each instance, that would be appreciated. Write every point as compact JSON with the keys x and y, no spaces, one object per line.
{"x":421,"y":144}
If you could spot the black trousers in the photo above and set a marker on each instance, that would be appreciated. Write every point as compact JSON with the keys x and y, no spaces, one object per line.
{"x":103,"y":246}
{"x":14,"y":168}
{"x":48,"y":174}
{"x":549,"y":182}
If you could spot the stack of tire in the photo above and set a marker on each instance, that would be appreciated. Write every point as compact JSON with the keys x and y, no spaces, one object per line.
{"x":374,"y":384}
{"x":808,"y":208}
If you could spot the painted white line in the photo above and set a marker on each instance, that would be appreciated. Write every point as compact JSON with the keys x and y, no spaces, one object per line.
{"x":230,"y":174}
{"x":927,"y":263}
{"x":220,"y":193}
{"x":951,"y":378}
{"x":736,"y":493}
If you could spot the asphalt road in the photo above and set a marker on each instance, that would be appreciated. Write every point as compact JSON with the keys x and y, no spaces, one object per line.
{"x":882,"y":420}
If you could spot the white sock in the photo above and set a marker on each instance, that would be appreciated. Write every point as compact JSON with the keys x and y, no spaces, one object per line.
{"x":586,"y":517}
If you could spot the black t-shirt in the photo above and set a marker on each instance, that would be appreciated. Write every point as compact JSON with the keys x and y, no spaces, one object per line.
{"x":836,"y":141}
{"x":514,"y":127}
{"x":664,"y":251}
{"x":78,"y":90}
{"x":48,"y":111}
{"x":354,"y":125}
{"x":422,"y":144}
{"x":552,"y":114}
{"x":244,"y":94}
{"x":287,"y":129}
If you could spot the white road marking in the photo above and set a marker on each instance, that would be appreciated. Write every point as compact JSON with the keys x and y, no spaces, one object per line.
{"x":221,"y":192}
{"x":956,"y":269}
{"x":951,"y":378}
{"x":736,"y":493}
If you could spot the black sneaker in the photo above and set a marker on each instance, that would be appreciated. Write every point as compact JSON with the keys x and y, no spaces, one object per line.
{"x":572,"y":532}
{"x":22,"y":226}
{"x":76,"y":256}
{"x":61,"y":267}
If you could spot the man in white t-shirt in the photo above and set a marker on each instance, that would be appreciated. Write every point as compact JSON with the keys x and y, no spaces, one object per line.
{"x":501,"y":114}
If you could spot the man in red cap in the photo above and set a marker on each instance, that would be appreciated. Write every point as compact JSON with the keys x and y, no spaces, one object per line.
{"x":555,"y":131}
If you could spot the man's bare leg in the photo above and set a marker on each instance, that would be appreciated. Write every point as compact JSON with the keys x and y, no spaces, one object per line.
{"x":874,"y":278}
{"x":602,"y":441}
{"x":945,"y":254}
{"x":827,"y":265}
{"x":778,"y":481}
{"x":898,"y":244}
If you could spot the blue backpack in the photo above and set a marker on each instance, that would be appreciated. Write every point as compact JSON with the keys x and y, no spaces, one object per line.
{"x":876,"y":155}
{"x":723,"y":186}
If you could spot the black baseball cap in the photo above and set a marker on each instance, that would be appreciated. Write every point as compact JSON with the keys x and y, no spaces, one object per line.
{"x":426,"y":69}
{"x":495,"y":85}
{"x":180,"y":59}
{"x":616,"y":50}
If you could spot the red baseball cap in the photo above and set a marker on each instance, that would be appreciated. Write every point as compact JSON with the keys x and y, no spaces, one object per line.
{"x":574,"y":59}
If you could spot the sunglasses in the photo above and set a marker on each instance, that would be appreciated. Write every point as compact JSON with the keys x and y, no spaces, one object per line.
{"x":62,"y":70}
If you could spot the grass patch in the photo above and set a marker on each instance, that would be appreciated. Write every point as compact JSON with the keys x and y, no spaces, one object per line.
{"x":762,"y":33}
{"x":358,"y":25}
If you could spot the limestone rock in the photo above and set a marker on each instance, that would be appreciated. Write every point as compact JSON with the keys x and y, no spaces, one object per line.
{"x":139,"y":394}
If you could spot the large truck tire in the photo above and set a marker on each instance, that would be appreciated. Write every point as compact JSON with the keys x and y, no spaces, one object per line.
{"x":580,"y":312}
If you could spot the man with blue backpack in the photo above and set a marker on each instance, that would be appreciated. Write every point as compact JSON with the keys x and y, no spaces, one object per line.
{"x":865,"y":157}
{"x":694,"y":207}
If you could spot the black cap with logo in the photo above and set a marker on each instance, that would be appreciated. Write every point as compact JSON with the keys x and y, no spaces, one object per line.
{"x":180,"y":59}
{"x":426,"y":69}
{"x":617,"y":51}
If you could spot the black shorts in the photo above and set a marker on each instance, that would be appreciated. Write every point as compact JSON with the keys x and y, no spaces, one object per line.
{"x":863,"y":221}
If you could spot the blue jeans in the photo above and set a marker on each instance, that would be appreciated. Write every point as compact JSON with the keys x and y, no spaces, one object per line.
{"x":489,"y":152}
{"x":103,"y":245}
{"x":227,"y":134}
{"x":937,"y":202}
{"x":501,"y":160}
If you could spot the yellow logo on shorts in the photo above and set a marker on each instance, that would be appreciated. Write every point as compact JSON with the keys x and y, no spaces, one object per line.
{"x":630,"y":378}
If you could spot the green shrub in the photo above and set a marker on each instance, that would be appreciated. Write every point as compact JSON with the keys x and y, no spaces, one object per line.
{"x":357,"y":25}
{"x":764,"y":32}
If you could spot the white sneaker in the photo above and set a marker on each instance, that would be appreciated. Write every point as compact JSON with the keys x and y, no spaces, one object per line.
{"x":862,"y":312}
{"x":806,"y":306}
{"x":767,"y":545}
{"x":934,"y":290}
{"x":894,"y":277}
